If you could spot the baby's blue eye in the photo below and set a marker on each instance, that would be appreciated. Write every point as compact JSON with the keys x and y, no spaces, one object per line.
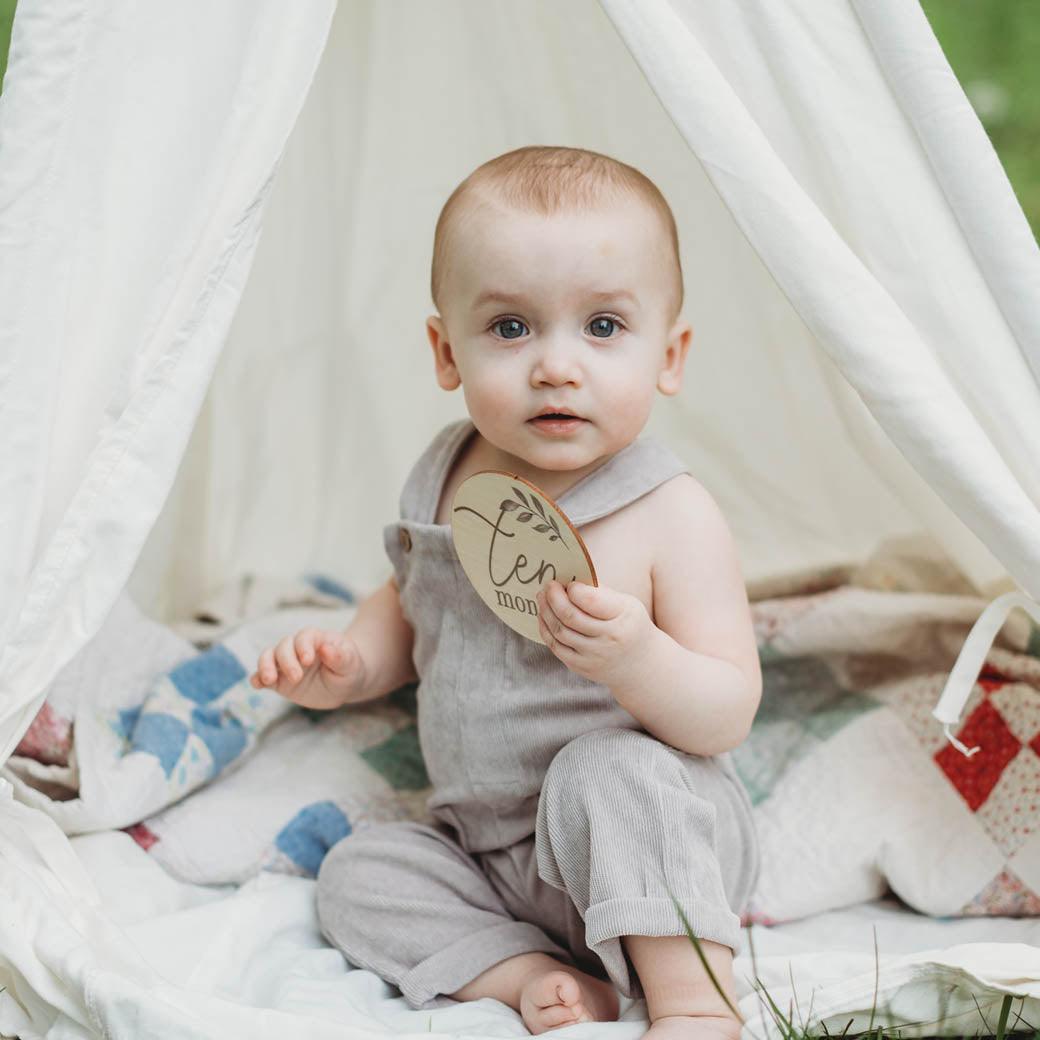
{"x":600,"y":323}
{"x":514,"y":328}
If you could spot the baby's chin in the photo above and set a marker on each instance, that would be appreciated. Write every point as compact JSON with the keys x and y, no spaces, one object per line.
{"x":565,"y":454}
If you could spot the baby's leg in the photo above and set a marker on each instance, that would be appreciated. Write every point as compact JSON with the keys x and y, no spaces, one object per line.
{"x":623,"y":820}
{"x":547,"y":993}
{"x":406,"y":902}
{"x":681,"y":999}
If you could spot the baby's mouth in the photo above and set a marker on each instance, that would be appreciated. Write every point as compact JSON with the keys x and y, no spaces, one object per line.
{"x":557,"y":415}
{"x":556,"y":421}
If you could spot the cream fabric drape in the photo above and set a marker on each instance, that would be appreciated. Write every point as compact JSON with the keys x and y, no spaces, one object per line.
{"x":138,"y":145}
{"x":800,"y":152}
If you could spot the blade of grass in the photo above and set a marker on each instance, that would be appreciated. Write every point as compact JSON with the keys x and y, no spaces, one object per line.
{"x":777,"y":1017}
{"x":704,"y":960}
{"x":1005,"y":1010}
{"x":794,"y":1001}
{"x":784,"y":1025}
{"x":812,"y":1001}
{"x":1018,"y":1016}
{"x":989,"y":1031}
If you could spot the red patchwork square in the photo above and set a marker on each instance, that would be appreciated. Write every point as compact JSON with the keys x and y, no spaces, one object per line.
{"x":975,"y":777}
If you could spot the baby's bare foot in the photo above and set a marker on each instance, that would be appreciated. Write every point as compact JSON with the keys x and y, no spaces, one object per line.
{"x":555,"y":999}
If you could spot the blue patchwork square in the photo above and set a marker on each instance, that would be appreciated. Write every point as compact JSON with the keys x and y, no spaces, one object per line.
{"x":207,"y":676}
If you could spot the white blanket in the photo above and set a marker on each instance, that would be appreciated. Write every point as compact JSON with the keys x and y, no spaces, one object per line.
{"x":185,"y":961}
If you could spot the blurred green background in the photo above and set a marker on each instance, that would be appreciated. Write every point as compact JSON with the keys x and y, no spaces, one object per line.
{"x":993,"y":47}
{"x":6,"y":17}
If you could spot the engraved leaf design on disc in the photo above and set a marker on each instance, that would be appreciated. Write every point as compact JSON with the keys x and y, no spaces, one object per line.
{"x":508,"y":505}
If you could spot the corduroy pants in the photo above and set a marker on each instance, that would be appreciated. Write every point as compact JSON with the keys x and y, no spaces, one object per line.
{"x":622,"y":820}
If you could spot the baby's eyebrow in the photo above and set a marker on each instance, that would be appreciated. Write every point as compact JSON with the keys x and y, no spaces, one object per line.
{"x":614,"y":295}
{"x":494,"y":296}
{"x":515,"y":299}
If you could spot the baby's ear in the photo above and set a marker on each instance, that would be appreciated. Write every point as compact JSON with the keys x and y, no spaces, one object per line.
{"x":669,"y":379}
{"x":443,"y":359}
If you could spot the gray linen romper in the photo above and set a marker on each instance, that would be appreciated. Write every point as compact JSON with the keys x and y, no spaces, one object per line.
{"x":559,"y":824}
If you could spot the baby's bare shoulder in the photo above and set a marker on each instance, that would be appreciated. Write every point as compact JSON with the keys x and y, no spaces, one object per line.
{"x":683,"y":495}
{"x":666,"y":519}
{"x":683,"y":515}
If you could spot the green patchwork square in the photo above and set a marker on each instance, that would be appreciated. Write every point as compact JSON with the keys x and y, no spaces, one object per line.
{"x":399,"y":760}
{"x":802,"y":707}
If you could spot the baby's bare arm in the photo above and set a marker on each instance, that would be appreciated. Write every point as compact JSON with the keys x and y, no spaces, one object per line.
{"x":701,"y":685}
{"x":384,"y":639}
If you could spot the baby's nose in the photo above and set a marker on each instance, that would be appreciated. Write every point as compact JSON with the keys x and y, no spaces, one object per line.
{"x":556,"y":365}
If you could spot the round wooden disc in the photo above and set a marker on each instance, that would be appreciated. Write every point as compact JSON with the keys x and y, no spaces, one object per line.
{"x":512,"y":539}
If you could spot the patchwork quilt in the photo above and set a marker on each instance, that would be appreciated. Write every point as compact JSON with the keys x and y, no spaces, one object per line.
{"x":857,"y":791}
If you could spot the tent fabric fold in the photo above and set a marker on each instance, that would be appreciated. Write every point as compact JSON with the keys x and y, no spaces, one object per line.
{"x":965,"y":164}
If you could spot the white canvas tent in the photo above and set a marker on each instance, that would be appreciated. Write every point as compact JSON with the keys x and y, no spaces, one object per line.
{"x":183,"y":400}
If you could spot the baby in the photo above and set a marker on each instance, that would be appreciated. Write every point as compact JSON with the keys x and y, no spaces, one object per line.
{"x":579,"y":784}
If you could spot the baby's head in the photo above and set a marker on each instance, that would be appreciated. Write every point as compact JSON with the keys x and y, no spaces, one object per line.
{"x":557,"y":280}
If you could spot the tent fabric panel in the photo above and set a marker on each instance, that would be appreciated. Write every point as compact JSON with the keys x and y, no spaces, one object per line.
{"x":850,"y":312}
{"x":112,"y":454}
{"x":853,"y":150}
{"x":329,"y":334}
{"x":34,"y":261}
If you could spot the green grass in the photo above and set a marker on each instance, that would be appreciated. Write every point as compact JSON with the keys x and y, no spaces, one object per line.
{"x":804,"y":1027}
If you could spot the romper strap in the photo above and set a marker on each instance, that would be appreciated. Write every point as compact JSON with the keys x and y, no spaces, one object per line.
{"x":426,"y":476}
{"x":635,"y":470}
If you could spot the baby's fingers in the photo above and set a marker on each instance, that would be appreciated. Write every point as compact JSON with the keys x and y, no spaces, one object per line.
{"x":332,"y":652}
{"x":305,"y":645}
{"x":266,"y":673}
{"x":288,"y":665}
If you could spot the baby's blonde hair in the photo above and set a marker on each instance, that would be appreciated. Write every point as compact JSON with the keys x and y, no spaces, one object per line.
{"x":547,"y":179}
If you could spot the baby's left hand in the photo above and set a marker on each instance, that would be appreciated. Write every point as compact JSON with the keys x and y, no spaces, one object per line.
{"x":597,"y":632}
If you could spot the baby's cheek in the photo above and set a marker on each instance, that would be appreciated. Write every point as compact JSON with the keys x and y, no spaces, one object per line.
{"x":488,"y":395}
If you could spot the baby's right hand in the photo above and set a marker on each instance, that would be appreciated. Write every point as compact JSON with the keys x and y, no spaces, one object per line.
{"x":314,"y":668}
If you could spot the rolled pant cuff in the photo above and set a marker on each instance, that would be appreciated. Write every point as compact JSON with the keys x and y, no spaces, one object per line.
{"x":614,"y":918}
{"x":450,"y":969}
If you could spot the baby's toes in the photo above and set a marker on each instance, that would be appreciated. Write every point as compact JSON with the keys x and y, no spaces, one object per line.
{"x":559,"y":1015}
{"x":556,"y":987}
{"x":555,"y":999}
